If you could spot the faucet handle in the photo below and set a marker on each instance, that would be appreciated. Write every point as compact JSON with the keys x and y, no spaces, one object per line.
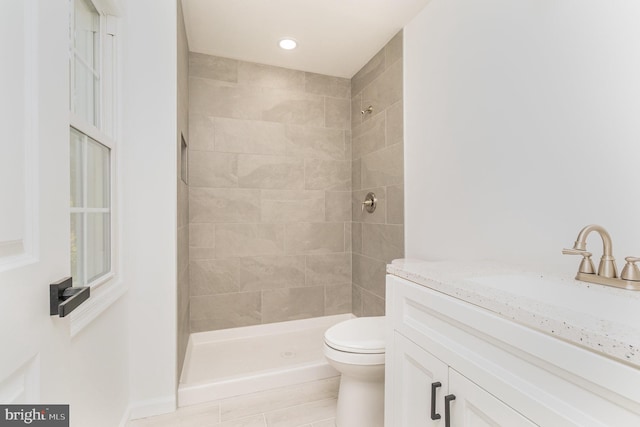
{"x":586,"y":266}
{"x":631,"y":270}
{"x":576,"y":252}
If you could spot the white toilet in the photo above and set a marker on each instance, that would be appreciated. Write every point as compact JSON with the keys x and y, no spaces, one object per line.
{"x":356,"y":349}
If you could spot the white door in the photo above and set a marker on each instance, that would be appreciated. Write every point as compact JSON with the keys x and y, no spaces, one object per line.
{"x":475,"y":407}
{"x":419,"y":386}
{"x":34,"y":198}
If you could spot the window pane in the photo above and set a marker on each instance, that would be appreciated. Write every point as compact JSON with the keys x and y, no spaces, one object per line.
{"x":77,"y":250}
{"x":90,"y":208}
{"x":76,"y":168}
{"x":98,"y":247}
{"x":86,"y":64}
{"x":87,"y":24}
{"x":98,"y":176}
{"x":85,"y":93}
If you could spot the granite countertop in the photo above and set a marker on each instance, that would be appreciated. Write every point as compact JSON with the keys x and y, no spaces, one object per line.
{"x":600,"y":318}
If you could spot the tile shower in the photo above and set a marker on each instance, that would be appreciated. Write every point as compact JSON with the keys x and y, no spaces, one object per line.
{"x":279,"y":162}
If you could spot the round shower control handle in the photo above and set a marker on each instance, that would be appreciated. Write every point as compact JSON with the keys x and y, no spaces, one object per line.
{"x":370,"y":202}
{"x":631,"y":270}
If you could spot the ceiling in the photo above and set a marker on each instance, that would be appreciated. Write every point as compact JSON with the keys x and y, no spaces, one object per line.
{"x":335,"y":37}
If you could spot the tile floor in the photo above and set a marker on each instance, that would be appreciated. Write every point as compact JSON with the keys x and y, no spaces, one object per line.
{"x":310,"y":404}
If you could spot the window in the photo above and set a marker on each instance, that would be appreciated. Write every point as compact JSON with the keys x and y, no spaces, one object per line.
{"x":92,"y":146}
{"x":85,"y":67}
{"x":90,"y":209}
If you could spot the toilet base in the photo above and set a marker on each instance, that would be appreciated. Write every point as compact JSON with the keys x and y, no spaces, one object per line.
{"x":360,"y":403}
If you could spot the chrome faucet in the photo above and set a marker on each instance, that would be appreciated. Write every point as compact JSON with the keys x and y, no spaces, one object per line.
{"x":607,"y":270}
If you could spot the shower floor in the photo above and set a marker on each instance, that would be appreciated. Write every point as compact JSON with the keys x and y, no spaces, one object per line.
{"x":233,"y":362}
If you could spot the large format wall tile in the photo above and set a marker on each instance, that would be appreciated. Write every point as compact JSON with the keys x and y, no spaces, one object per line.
{"x":201,"y":134}
{"x":213,"y":67}
{"x":329,"y":269}
{"x":210,"y":277}
{"x":395,"y":204}
{"x":258,"y":171}
{"x":270,"y":184}
{"x":337,"y":299}
{"x":369,"y":274}
{"x":377,"y":166}
{"x":260,"y":75}
{"x":384,"y":167}
{"x":316,"y":143}
{"x":356,"y":300}
{"x":292,"y":206}
{"x":338,"y":206}
{"x":183,"y":204}
{"x":249,"y":239}
{"x":214,"y":98}
{"x":368,"y":73}
{"x":348,"y":145}
{"x":356,"y":238}
{"x":293,"y":303}
{"x":314,"y":238}
{"x":225,"y":311}
{"x":356,"y":110}
{"x":337,"y":113}
{"x":372,"y":305}
{"x":347,"y":236}
{"x":382,"y":241}
{"x":320,"y":84}
{"x":249,"y":136}
{"x":328,"y":175}
{"x":182,"y":249}
{"x":210,"y":169}
{"x":271,"y":272}
{"x":386,"y":90}
{"x":395,"y":125}
{"x":294,"y":108}
{"x":223,"y":205}
{"x":393,"y":50}
{"x":356,"y":175}
{"x":369,"y":136}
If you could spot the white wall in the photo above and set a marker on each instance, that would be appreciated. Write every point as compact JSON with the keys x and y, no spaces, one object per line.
{"x":522,"y":125}
{"x":149,"y":201}
{"x":99,"y":363}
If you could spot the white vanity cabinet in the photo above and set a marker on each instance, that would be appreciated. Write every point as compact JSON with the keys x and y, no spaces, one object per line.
{"x":421,"y":384}
{"x":501,"y":372}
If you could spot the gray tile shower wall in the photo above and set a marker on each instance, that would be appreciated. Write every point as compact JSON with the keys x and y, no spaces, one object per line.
{"x":377,"y":165}
{"x":270,"y":193}
{"x":183,"y":194}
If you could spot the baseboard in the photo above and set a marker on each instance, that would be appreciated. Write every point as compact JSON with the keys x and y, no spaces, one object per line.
{"x":125,"y":417}
{"x":152,"y":407}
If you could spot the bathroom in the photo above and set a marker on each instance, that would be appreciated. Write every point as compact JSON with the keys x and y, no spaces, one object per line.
{"x":509,"y":125}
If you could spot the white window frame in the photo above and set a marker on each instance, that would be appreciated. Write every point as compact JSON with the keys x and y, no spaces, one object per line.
{"x":108,"y":288}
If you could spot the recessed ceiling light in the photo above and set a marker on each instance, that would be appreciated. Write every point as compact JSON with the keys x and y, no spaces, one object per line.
{"x":288,"y":44}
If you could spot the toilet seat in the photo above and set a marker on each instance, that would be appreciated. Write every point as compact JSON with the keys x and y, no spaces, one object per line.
{"x":345,"y":357}
{"x":364,"y":335}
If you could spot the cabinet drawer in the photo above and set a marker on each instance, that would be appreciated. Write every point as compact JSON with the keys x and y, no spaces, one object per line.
{"x":552,"y":382}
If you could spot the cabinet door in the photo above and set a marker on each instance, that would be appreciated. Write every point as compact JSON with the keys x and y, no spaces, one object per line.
{"x":475,"y":407}
{"x":415,"y":371}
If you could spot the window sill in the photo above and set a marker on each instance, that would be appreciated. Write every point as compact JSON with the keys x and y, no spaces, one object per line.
{"x":105,"y":292}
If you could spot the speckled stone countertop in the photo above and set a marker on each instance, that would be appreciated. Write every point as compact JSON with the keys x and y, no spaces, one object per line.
{"x":600,"y":318}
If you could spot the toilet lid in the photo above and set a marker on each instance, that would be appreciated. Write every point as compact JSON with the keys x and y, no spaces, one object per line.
{"x":361,"y":335}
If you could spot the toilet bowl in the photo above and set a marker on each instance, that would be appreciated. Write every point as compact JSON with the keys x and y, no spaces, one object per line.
{"x":356,"y":349}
